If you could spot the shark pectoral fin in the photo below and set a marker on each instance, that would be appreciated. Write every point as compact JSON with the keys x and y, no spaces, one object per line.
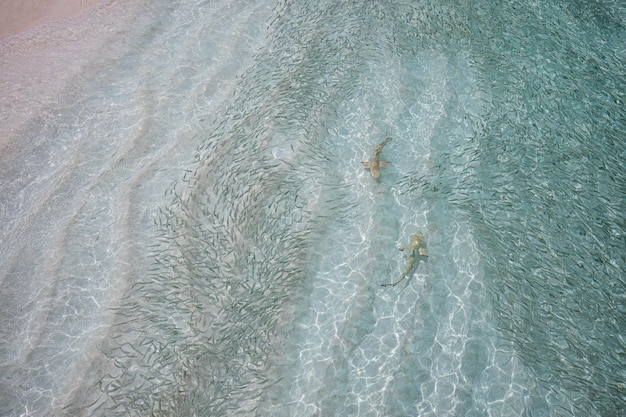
{"x":366,"y":164}
{"x":383,"y":163}
{"x":422,"y":252}
{"x":404,"y":247}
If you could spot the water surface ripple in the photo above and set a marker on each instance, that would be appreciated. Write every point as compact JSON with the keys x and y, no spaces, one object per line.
{"x":187,"y":228}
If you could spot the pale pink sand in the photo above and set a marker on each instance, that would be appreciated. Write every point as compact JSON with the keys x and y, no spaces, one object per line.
{"x":44,"y":49}
{"x":19,"y":15}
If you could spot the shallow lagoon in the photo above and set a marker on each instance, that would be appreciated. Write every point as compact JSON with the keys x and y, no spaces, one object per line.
{"x":187,"y":227}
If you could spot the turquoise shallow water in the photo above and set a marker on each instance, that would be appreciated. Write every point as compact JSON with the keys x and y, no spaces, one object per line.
{"x":187,"y":228}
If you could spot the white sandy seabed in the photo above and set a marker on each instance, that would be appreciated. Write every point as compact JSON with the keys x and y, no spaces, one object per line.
{"x":186,"y":227}
{"x":91,"y":143}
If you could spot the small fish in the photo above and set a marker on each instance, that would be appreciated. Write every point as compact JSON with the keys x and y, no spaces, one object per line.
{"x":374,"y":164}
{"x":415,"y":251}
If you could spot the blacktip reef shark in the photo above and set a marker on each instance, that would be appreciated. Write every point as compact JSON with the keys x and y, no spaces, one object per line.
{"x":374,"y":164}
{"x":415,"y":252}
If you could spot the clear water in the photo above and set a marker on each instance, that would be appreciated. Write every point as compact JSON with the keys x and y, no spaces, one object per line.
{"x":187,"y":229}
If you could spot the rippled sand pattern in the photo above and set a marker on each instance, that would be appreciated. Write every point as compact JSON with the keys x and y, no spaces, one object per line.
{"x":187,"y":228}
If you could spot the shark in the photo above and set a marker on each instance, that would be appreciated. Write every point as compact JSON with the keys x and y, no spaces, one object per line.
{"x":415,"y":252}
{"x":374,"y":164}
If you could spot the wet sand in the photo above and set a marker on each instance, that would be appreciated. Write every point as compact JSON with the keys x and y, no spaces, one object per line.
{"x":42,"y":48}
{"x":20,"y":15}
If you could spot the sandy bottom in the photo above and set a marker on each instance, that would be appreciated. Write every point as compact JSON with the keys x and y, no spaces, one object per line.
{"x":19,"y":15}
